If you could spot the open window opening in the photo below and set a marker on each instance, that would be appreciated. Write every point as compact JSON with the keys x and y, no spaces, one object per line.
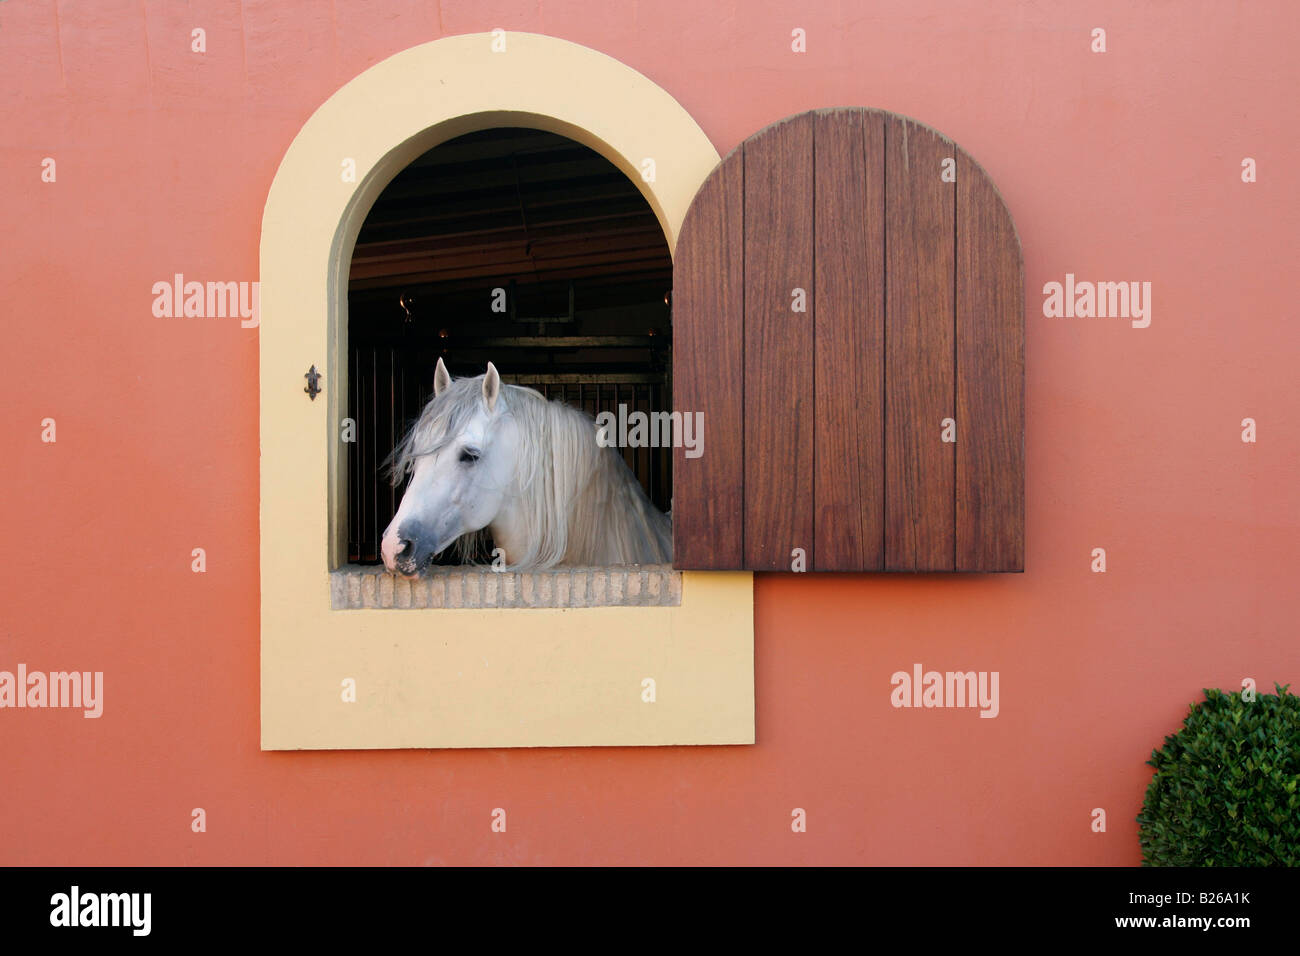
{"x":519,"y":247}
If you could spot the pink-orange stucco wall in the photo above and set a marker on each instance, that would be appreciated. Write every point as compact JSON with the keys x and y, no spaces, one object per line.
{"x":1118,"y":166}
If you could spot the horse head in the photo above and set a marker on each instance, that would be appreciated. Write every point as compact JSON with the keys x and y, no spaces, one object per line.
{"x":460,"y":458}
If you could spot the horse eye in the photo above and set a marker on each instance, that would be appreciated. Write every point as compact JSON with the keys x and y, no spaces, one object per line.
{"x":468,"y":456}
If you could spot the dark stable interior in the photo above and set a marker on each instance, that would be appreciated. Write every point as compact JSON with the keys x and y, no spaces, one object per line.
{"x":583,"y":313}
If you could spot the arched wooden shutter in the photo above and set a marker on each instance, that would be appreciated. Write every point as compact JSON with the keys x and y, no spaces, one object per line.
{"x":824,"y":429}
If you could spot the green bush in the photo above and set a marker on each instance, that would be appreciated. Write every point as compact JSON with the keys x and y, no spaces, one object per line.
{"x":1226,"y":790}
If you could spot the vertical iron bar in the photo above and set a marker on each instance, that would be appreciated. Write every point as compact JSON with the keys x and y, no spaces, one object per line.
{"x":372,"y":462}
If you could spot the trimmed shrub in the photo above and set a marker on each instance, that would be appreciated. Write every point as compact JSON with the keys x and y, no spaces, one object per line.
{"x":1226,"y":790}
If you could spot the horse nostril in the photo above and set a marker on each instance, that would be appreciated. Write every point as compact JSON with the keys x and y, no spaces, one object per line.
{"x":404,"y":545}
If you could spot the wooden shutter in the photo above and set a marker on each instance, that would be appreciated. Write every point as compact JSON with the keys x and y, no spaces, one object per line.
{"x":823,"y":429}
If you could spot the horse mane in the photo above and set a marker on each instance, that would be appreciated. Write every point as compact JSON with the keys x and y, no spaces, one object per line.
{"x":579,"y":502}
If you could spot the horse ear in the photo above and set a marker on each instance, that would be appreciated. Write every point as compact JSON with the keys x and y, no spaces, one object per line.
{"x":441,"y":379}
{"x":491,"y":387}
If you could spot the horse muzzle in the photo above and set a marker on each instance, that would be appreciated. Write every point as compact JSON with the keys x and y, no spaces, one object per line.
{"x":401,"y":553}
{"x":405,"y":550}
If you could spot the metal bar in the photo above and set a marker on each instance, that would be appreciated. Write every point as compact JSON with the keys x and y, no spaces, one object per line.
{"x":543,"y":319}
{"x":392,"y":430}
{"x":559,"y":341}
{"x":599,"y":378}
{"x":354,"y":460}
{"x":372,"y":463}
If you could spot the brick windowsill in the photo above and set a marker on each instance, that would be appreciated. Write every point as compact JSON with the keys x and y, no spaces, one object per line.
{"x":643,"y":585}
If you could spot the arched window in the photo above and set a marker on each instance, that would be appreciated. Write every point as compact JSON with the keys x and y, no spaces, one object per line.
{"x":579,"y":658}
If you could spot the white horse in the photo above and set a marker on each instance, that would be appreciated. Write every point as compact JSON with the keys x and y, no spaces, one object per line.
{"x":502,"y":457}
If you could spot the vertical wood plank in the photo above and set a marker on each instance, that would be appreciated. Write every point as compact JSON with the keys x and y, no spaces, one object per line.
{"x":708,"y":375}
{"x":849,"y":340}
{"x":920,"y":342}
{"x":990,"y":484}
{"x":778,"y":425}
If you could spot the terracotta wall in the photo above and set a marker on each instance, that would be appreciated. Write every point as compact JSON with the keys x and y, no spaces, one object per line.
{"x":1123,"y":165}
